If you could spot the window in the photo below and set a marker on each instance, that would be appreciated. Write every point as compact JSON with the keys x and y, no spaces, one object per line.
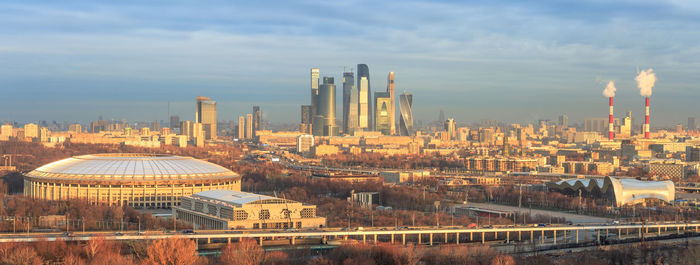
{"x":308,"y":213}
{"x":264,"y":214}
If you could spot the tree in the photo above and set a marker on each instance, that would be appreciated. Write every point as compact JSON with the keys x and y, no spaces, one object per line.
{"x":23,"y":255}
{"x":172,"y":251}
{"x":503,"y":260}
{"x":246,"y":252}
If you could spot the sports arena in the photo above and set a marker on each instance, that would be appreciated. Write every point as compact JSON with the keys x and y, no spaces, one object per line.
{"x":137,"y":180}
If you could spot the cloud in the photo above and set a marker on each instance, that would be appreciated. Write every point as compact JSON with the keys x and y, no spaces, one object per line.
{"x":171,"y":50}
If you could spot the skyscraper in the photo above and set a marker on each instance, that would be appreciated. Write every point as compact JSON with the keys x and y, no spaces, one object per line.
{"x":186,"y":129}
{"x":451,"y":128}
{"x":365,"y":100}
{"x":392,"y":102}
{"x":382,"y":108}
{"x":692,"y":123}
{"x":241,"y":127}
{"x":206,"y":115}
{"x":257,"y":120}
{"x":441,"y":117}
{"x":350,"y":102}
{"x":324,"y":120}
{"x":406,"y":109}
{"x":564,"y":121}
{"x":174,"y":122}
{"x":315,"y":73}
{"x":306,"y":119}
{"x":249,"y":126}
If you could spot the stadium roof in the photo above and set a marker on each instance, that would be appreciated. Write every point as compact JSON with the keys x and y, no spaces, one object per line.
{"x":625,"y":190}
{"x":130,"y":167}
{"x":238,"y":198}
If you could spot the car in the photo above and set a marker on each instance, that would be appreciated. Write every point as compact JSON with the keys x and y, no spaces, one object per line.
{"x":118,"y":234}
{"x":541,"y":225}
{"x":67,"y":234}
{"x":189,"y":231}
{"x":140,"y":233}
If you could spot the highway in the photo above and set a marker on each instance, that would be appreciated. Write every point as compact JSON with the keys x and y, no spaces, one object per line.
{"x":556,"y":234}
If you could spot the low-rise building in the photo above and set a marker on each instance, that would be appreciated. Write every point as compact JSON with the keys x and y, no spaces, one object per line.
{"x":229,"y":209}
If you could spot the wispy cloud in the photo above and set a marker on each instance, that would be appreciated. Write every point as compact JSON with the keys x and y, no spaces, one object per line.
{"x":156,"y":52}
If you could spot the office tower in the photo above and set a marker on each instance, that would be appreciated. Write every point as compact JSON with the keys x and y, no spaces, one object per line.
{"x":350,"y":101}
{"x":174,"y":122}
{"x":257,"y":120}
{"x":315,"y":74}
{"x":564,"y":121}
{"x":186,"y":129}
{"x":382,"y":108}
{"x":365,"y":100}
{"x":324,"y":120}
{"x":241,"y":128}
{"x":406,"y":109}
{"x":451,"y":128}
{"x":392,"y":102}
{"x":206,"y":115}
{"x":692,"y":124}
{"x":31,"y":130}
{"x":306,"y":119}
{"x":249,"y":126}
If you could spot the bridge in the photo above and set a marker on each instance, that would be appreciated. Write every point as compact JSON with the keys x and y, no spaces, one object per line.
{"x":429,"y":236}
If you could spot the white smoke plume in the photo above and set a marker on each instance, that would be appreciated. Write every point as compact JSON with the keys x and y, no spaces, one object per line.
{"x":609,"y":91}
{"x":645,"y":82}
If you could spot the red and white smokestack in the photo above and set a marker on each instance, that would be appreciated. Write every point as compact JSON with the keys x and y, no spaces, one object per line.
{"x":646,"y":120}
{"x":610,"y":122}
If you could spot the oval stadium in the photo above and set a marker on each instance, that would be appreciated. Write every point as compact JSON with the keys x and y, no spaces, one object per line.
{"x":137,"y":180}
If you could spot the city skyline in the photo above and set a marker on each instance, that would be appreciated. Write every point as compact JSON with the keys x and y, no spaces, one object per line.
{"x":442,"y":53}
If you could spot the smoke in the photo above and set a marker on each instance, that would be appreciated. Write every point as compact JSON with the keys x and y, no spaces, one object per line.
{"x":609,"y":91}
{"x":645,"y":81}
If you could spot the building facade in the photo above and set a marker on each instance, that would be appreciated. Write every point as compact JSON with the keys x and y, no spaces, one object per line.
{"x":406,"y":109}
{"x":137,"y":180}
{"x":206,"y":115}
{"x":382,"y":112}
{"x":365,"y":100}
{"x":229,"y":209}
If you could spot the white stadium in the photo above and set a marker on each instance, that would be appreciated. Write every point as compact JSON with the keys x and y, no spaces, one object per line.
{"x":138,"y":180}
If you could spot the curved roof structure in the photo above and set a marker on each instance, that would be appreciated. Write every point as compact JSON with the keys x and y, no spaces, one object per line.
{"x":130,"y":167}
{"x":625,"y":190}
{"x":239,"y":198}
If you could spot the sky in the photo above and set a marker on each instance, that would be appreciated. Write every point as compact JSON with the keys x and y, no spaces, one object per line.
{"x":513,"y":61}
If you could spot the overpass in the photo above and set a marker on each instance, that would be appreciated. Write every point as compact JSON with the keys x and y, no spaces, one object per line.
{"x":544,"y":234}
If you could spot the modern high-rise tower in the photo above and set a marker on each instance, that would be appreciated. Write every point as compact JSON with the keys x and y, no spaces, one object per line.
{"x":257,"y":120}
{"x":365,"y":101}
{"x":241,"y":127}
{"x":382,"y":108}
{"x":206,"y":115}
{"x":350,"y":101}
{"x":406,"y":109}
{"x":306,"y":119}
{"x":315,"y":73}
{"x":392,"y":102}
{"x":324,"y":120}
{"x":249,"y":126}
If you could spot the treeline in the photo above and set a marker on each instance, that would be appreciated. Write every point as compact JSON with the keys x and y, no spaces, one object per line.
{"x":20,"y":213}
{"x":183,"y":252}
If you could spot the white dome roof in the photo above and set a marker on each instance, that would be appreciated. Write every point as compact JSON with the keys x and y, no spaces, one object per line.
{"x":131,"y":167}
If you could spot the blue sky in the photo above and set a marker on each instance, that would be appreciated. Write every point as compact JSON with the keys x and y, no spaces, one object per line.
{"x":515,"y":61}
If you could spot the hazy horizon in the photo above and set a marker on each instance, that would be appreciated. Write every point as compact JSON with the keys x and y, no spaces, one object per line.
{"x":512,"y":61}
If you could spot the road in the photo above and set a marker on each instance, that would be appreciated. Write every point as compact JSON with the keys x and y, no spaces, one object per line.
{"x":574,"y":218}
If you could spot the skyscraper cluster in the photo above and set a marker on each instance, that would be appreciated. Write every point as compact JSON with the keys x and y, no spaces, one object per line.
{"x":250,"y":124}
{"x":361,"y":111}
